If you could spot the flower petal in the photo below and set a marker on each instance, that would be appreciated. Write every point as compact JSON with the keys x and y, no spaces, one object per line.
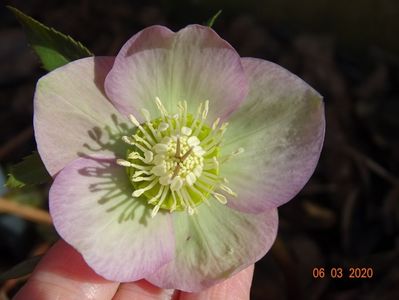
{"x":281,"y":128}
{"x":72,"y":113}
{"x":194,"y":64}
{"x":215,"y":244}
{"x":92,"y":209}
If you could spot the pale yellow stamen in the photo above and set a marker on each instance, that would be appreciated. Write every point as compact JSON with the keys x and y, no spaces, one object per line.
{"x":174,"y":161}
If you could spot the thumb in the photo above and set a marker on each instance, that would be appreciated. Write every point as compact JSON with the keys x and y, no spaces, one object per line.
{"x":235,"y":288}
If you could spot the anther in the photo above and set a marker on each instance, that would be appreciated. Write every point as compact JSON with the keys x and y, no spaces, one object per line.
{"x":222,"y":199}
{"x":176,"y":183}
{"x":123,"y":162}
{"x":215,"y":124}
{"x":128,"y":140}
{"x":139,"y":192}
{"x":146,"y":114}
{"x":134,"y":120}
{"x":193,"y":141}
{"x":206,"y":109}
{"x":186,"y":131}
{"x":163,"y":126}
{"x":161,"y":108}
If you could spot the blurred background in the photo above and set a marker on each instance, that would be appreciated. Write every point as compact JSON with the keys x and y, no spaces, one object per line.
{"x":346,"y":216}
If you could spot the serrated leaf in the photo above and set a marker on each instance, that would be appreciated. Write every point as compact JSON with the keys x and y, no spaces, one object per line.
{"x":13,"y":183}
{"x":23,"y":268}
{"x":54,"y":48}
{"x":29,"y":171}
{"x":212,"y":20}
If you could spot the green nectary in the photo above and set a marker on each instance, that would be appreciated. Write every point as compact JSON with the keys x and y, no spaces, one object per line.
{"x":173,"y":161}
{"x":168,"y":202}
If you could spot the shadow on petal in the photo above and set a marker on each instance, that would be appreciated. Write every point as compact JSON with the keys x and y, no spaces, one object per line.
{"x":108,"y":138}
{"x":114,"y":191}
{"x":93,"y":210}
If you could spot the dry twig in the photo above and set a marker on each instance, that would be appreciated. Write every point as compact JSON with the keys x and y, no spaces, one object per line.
{"x":24,"y":211}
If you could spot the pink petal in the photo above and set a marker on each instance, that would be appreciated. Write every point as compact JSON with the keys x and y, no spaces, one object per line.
{"x":281,"y":128}
{"x":70,"y":109}
{"x":194,"y":64}
{"x":215,"y":244}
{"x":93,"y":210}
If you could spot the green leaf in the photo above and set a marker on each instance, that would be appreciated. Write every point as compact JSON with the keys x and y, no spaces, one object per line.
{"x":23,"y":268}
{"x":212,"y":20}
{"x":54,"y":48}
{"x":29,"y":171}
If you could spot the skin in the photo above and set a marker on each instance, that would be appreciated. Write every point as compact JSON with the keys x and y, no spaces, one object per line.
{"x":63,"y":274}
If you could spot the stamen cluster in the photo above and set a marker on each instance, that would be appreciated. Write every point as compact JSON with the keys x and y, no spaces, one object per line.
{"x":174,"y":160}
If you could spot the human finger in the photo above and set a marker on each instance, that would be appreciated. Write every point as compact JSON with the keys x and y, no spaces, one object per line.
{"x":143,"y":290}
{"x":63,"y":275}
{"x":235,"y":288}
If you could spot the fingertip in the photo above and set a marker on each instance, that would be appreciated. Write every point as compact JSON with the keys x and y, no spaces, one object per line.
{"x":142,"y":290}
{"x":63,"y":274}
{"x":235,"y":288}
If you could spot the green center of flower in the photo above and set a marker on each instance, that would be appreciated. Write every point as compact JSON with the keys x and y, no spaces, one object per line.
{"x":173,"y":161}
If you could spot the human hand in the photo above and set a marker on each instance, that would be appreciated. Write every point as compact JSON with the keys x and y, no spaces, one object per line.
{"x":63,"y":275}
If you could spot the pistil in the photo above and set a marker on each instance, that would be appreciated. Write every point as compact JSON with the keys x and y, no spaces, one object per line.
{"x":178,"y":148}
{"x":183,"y":158}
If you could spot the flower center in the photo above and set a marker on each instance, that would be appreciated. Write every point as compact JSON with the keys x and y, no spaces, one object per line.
{"x":173,"y":162}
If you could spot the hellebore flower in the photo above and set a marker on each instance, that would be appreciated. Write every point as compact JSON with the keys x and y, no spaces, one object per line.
{"x":170,"y":160}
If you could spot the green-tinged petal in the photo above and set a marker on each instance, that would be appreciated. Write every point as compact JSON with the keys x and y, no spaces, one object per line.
{"x":281,"y":127}
{"x":193,"y":65}
{"x":214,"y":244}
{"x":93,"y":210}
{"x":72,"y":115}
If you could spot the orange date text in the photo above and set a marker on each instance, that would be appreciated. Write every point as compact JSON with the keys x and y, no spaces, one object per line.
{"x":337,"y":273}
